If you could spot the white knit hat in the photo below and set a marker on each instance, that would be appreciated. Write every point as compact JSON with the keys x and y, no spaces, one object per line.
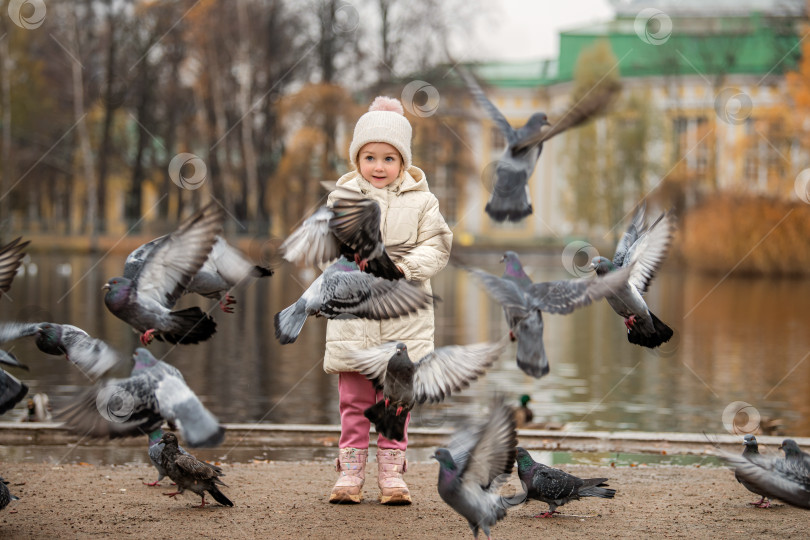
{"x":384,"y":122}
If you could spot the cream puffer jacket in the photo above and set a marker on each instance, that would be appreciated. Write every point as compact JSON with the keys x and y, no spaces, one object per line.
{"x":409,"y":216}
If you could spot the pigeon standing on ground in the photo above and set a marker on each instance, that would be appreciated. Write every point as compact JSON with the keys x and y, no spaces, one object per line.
{"x":524,"y":303}
{"x":343,"y":291}
{"x":145,"y":299}
{"x":786,"y":479}
{"x":12,"y":390}
{"x":751,"y":449}
{"x":156,"y":391}
{"x":510,"y":200}
{"x":555,"y":487}
{"x":5,"y":496}
{"x":647,"y":248}
{"x":475,"y":463}
{"x":91,"y":355}
{"x":225,"y":268}
{"x":190,"y":473}
{"x":155,"y":450}
{"x":350,"y":227}
{"x":405,"y":383}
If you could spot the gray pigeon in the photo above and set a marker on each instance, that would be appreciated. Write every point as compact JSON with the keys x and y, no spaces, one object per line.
{"x":343,"y":291}
{"x":475,"y":463}
{"x":155,"y":450}
{"x":786,"y":478}
{"x":524,"y":303}
{"x":510,"y":192}
{"x":405,"y":383}
{"x":5,"y":496}
{"x":12,"y":390}
{"x":225,"y":268}
{"x":145,"y":299}
{"x":351,"y":228}
{"x":11,"y":255}
{"x":751,"y":449}
{"x":91,"y":355}
{"x":646,"y":247}
{"x":555,"y":487}
{"x":190,"y":473}
{"x":156,"y":391}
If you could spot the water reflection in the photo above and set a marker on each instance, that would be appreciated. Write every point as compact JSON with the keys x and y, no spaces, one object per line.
{"x":737,"y":340}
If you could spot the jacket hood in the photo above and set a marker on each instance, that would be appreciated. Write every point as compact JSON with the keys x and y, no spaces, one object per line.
{"x":414,"y":179}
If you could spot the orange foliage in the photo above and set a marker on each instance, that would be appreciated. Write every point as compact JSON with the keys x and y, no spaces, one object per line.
{"x":748,"y":234}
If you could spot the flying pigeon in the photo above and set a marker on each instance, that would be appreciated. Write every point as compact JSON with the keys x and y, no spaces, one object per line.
{"x":473,"y":466}
{"x":647,"y":247}
{"x":751,"y":449}
{"x":91,"y":355}
{"x":139,"y":404}
{"x":351,"y":228}
{"x":343,"y":291}
{"x":524,"y":303}
{"x":510,"y":193}
{"x":405,"y":383}
{"x":5,"y":496}
{"x":555,"y":487}
{"x":145,"y":299}
{"x":11,"y":255}
{"x":189,"y":472}
{"x":156,"y":449}
{"x":224,"y":268}
{"x":12,"y":390}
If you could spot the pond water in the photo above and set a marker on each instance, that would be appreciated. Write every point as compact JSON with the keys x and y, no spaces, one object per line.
{"x":737,"y":340}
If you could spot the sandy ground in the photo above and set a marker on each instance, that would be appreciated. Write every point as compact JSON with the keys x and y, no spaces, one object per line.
{"x":289,"y":500}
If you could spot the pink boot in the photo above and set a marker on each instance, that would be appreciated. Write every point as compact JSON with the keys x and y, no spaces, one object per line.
{"x":390,"y":466}
{"x":351,"y":464}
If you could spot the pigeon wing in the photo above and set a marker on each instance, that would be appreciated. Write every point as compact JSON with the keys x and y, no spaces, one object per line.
{"x":630,"y":236}
{"x":648,"y":253}
{"x":451,"y":369}
{"x":313,"y":242}
{"x":373,"y":362}
{"x":504,"y":291}
{"x":495,"y":448}
{"x":14,"y":330}
{"x":564,"y":296}
{"x":592,"y":104}
{"x":115,"y":408}
{"x":12,"y":390}
{"x":10,"y":360}
{"x":91,"y":355}
{"x":193,"y":467}
{"x":136,"y":259}
{"x":231,"y":263}
{"x":369,"y":297}
{"x":177,"y":402}
{"x":765,"y":477}
{"x":172,"y":263}
{"x":493,"y":112}
{"x":11,"y":255}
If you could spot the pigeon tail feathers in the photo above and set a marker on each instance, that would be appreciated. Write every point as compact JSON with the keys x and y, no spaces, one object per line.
{"x":513,"y":208}
{"x":661,"y":334}
{"x":189,"y":326}
{"x":290,"y":321}
{"x":386,"y":421}
{"x":219,"y":496}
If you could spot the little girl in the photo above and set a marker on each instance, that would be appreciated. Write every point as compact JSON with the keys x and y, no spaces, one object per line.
{"x":381,"y":154}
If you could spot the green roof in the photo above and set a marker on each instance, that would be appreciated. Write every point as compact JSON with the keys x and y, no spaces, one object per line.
{"x":708,"y":46}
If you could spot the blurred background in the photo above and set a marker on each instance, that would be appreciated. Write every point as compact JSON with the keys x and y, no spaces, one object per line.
{"x":119,"y":118}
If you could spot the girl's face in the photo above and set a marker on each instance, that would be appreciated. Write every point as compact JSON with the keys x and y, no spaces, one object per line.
{"x":380,"y":163}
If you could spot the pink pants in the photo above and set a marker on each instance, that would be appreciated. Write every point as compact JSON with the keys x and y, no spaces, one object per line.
{"x":356,"y":395}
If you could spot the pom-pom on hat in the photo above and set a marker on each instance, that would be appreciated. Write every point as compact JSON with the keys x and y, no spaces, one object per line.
{"x":384,"y":122}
